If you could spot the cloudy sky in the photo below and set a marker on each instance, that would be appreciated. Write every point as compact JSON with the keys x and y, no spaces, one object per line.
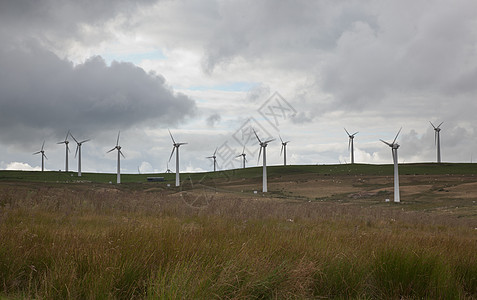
{"x":208,"y":70}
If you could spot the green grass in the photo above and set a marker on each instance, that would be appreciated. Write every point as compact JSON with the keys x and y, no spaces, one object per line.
{"x":90,"y":241}
{"x":252,"y":172}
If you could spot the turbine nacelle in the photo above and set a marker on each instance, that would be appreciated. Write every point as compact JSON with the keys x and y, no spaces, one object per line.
{"x":284,"y":144}
{"x":393,"y":145}
{"x":117,"y":147}
{"x":263,"y":144}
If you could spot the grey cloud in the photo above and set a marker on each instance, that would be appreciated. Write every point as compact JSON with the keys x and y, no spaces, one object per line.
{"x":302,"y":117}
{"x":258,"y":93}
{"x":427,"y":54}
{"x":41,"y":93}
{"x":276,"y":32}
{"x":213,"y":119}
{"x":48,"y":19}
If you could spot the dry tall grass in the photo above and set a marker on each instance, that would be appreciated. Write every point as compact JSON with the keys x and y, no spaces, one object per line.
{"x":81,"y":242}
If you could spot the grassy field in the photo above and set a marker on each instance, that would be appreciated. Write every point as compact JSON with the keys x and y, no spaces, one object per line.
{"x":321,"y":232}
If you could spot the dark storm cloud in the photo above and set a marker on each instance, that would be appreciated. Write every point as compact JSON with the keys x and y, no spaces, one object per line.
{"x":42,"y":93}
{"x":50,"y":20}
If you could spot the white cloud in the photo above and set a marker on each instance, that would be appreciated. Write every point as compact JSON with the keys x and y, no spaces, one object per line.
{"x":21,"y":166}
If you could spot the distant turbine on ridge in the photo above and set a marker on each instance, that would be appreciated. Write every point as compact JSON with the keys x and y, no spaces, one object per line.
{"x":117,"y":147}
{"x":176,"y":148}
{"x":43,"y":156}
{"x":66,"y":142}
{"x":351,"y":144}
{"x":263,"y":145}
{"x":78,"y":152}
{"x":284,"y":150}
{"x":437,"y":140}
{"x":394,"y":148}
{"x":243,"y":155}
{"x":214,"y":157}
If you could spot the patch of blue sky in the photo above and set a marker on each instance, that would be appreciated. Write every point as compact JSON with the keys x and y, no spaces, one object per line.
{"x":135,"y":58}
{"x":237,"y":86}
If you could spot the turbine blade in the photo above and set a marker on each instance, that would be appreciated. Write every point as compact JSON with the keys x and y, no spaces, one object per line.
{"x":67,"y":135}
{"x":85,"y":141}
{"x":346,"y":131}
{"x":440,"y":124}
{"x":259,"y":154}
{"x":266,"y":142}
{"x":390,"y":145}
{"x":216,"y":150}
{"x":117,"y":141}
{"x":256,"y":136}
{"x":43,"y":145}
{"x":45,"y":155}
{"x":281,"y":151}
{"x":61,"y":142}
{"x":397,"y":135}
{"x":73,"y":138}
{"x":68,"y":148}
{"x":110,"y":150}
{"x":435,"y":137}
{"x":120,"y":152}
{"x":280,"y":138}
{"x":432,"y":125}
{"x":77,"y":147}
{"x":349,"y":143}
{"x":243,"y":150}
{"x":355,"y":133}
{"x":36,"y":153}
{"x":172,"y":153}
{"x":171,"y":137}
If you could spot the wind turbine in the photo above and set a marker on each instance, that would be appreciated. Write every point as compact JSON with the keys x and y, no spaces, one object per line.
{"x":437,"y":140}
{"x":394,"y":148}
{"x":263,"y":145}
{"x":43,"y":156}
{"x":351,"y":144}
{"x":243,"y":155}
{"x":117,"y":147}
{"x":66,"y":142}
{"x":176,"y":148}
{"x":78,"y":152}
{"x":284,"y":150}
{"x":214,"y":157}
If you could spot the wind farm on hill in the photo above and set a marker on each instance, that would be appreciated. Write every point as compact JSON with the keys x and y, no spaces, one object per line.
{"x":262,"y":153}
{"x":301,"y":231}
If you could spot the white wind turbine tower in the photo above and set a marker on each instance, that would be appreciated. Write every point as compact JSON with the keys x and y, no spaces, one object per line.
{"x":66,"y":142}
{"x":437,"y":140}
{"x":351,"y":144}
{"x":43,"y":156}
{"x":284,"y":150}
{"x":394,"y":148}
{"x":263,"y":145}
{"x":117,"y":147}
{"x":215,"y":158}
{"x":78,"y":152}
{"x":243,"y":155}
{"x":176,"y":148}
